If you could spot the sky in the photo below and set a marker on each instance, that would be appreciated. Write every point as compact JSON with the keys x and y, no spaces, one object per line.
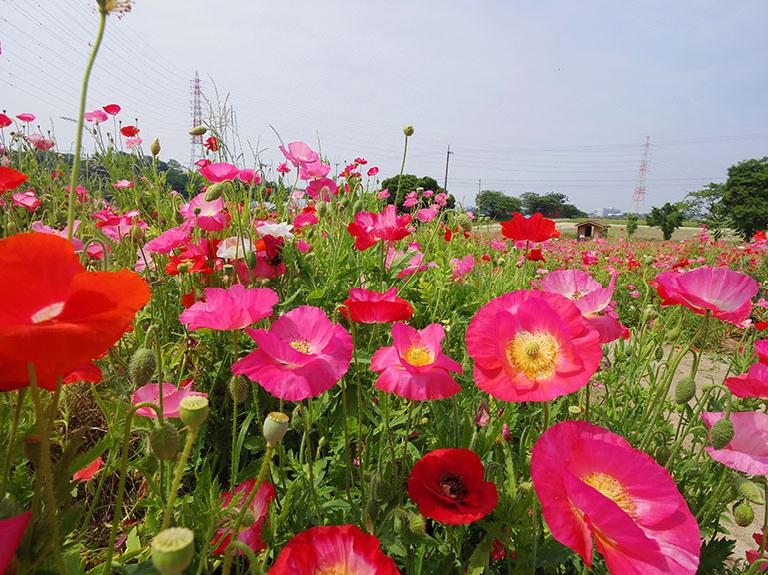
{"x":531,"y":96}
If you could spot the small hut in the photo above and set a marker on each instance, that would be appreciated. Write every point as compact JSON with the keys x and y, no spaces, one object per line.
{"x":591,"y":229}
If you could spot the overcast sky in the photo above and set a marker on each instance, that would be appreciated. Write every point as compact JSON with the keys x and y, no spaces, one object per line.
{"x":531,"y":96}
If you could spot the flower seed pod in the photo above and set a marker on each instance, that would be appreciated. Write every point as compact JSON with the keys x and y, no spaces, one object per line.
{"x":743,"y":514}
{"x":721,"y":433}
{"x":238,"y":388}
{"x":408,"y":130}
{"x":214,"y":192}
{"x":11,"y":228}
{"x":649,"y":313}
{"x":198,"y":131}
{"x":416,"y":524}
{"x":275,"y":426}
{"x":685,"y":390}
{"x":164,"y":441}
{"x":142,"y":366}
{"x":173,"y":550}
{"x":194,"y":411}
{"x":178,"y":218}
{"x":662,"y":454}
{"x":673,"y":333}
{"x":748,"y":490}
{"x":155,"y":147}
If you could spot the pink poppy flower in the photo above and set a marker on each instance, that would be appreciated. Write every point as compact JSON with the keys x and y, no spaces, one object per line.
{"x":96,"y":116}
{"x":590,"y":297}
{"x":43,"y":229}
{"x":27,"y":200}
{"x":411,"y":199}
{"x":118,"y":226}
{"x":112,"y":109}
{"x":314,"y":170}
{"x":39,"y":142}
{"x":748,"y":450}
{"x":303,"y":246}
{"x":283,"y":168}
{"x":754,"y":383}
{"x":369,"y":228}
{"x":172,"y":397}
{"x":302,"y":355}
{"x":298,"y":153}
{"x":233,"y":308}
{"x":211,"y":216}
{"x":87,"y":472}
{"x":307,"y":217}
{"x":413,"y":259}
{"x":726,"y":293}
{"x":373,"y":171}
{"x":221,"y":172}
{"x":5,"y":121}
{"x":426,"y":215}
{"x":122,"y":184}
{"x":594,"y":486}
{"x":462,"y":267}
{"x":13,"y":530}
{"x":383,"y":194}
{"x":26,"y":117}
{"x":322,"y":189}
{"x":133,"y":142}
{"x":259,"y":508}
{"x":249,"y":177}
{"x":170,"y":239}
{"x":532,"y":346}
{"x":415,"y":367}
{"x":202,"y":162}
{"x":761,"y":348}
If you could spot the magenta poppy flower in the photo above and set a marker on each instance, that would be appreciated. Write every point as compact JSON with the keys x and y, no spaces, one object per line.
{"x":221,"y":172}
{"x":283,"y":168}
{"x":249,"y":176}
{"x":368,"y":306}
{"x":27,"y":200}
{"x":748,"y":450}
{"x":5,"y":121}
{"x":415,"y":367}
{"x":170,"y":239}
{"x":462,"y":267}
{"x":725,"y":293}
{"x":302,"y":355}
{"x":112,"y":109}
{"x":299,"y":153}
{"x":233,"y":308}
{"x":13,"y":530}
{"x":40,"y":142}
{"x":122,"y":184}
{"x":314,"y":170}
{"x":87,"y":472}
{"x":595,"y":488}
{"x":172,"y":397}
{"x":322,"y":189}
{"x":754,"y":383}
{"x":426,"y":215}
{"x":369,"y":228}
{"x":40,"y":227}
{"x":259,"y":508}
{"x":211,"y":215}
{"x":532,"y":346}
{"x":202,"y":162}
{"x":590,"y":297}
{"x":373,"y":171}
{"x":761,"y":348}
{"x":26,"y":117}
{"x":96,"y":116}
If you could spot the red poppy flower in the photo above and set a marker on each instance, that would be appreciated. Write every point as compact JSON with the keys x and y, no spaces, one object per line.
{"x":761,"y":325}
{"x":759,"y":236}
{"x":10,"y":179}
{"x":56,"y":315}
{"x":535,"y":255}
{"x":129,"y":131}
{"x":212,"y":144}
{"x":366,"y":306}
{"x":333,"y":549}
{"x":447,"y":486}
{"x":259,"y":508}
{"x":5,"y":121}
{"x":12,"y":529}
{"x":537,"y":228}
{"x":369,"y":228}
{"x":112,"y":109}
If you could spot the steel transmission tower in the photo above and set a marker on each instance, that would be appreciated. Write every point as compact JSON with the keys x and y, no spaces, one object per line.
{"x":639,"y":196}
{"x":196,"y":111}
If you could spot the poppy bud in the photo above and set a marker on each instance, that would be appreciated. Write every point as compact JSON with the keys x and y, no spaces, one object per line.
{"x":743,"y":514}
{"x":142,"y":366}
{"x":155,"y":147}
{"x":748,"y":490}
{"x":721,"y":433}
{"x":178,"y":218}
{"x":214,"y":192}
{"x":416,"y":524}
{"x":685,"y":390}
{"x":11,"y":228}
{"x":194,"y":411}
{"x":238,"y":389}
{"x":574,"y":409}
{"x":649,"y":260}
{"x":250,"y":259}
{"x":649,"y":313}
{"x":173,"y":550}
{"x":408,"y":130}
{"x":247,"y":519}
{"x":297,"y":419}
{"x":662,"y":454}
{"x":659,"y":353}
{"x":197,"y":211}
{"x":164,"y":441}
{"x":275,"y":426}
{"x":321,"y":208}
{"x":198,"y":131}
{"x":673,"y":333}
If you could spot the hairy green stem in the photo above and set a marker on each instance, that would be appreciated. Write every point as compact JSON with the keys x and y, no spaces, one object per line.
{"x":12,"y":440}
{"x":181,"y":464}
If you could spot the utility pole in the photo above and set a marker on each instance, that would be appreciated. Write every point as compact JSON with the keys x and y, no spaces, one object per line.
{"x":447,"y":159}
{"x":479,"y":185}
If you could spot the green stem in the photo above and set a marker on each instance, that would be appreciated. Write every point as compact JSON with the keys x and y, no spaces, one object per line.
{"x":12,"y":440}
{"x":80,"y":119}
{"x":400,"y":177}
{"x":45,"y":467}
{"x":310,"y":460}
{"x":181,"y":464}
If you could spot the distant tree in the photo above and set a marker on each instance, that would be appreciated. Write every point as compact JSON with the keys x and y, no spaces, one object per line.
{"x":745,"y":196}
{"x":632,"y":220}
{"x":497,"y":205}
{"x":668,"y":218}
{"x":409,"y":183}
{"x":703,"y":203}
{"x":551,"y":205}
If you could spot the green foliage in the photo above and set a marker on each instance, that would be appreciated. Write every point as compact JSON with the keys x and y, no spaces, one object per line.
{"x":409,"y":183}
{"x":668,"y":218}
{"x":497,"y":205}
{"x":745,"y":196}
{"x":550,"y":205}
{"x":632,"y":221}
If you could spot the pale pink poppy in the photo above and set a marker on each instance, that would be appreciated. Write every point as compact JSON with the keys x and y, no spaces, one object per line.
{"x":27,"y":200}
{"x":40,"y":142}
{"x":40,"y":227}
{"x":96,"y":116}
{"x":299,"y":153}
{"x":122,"y":184}
{"x":249,"y":177}
{"x":172,"y":397}
{"x":383,"y":194}
{"x":234,"y":248}
{"x":462,"y":267}
{"x":233,"y":308}
{"x":210,"y":215}
{"x":427,"y":214}
{"x":748,"y":449}
{"x":220,"y":172}
{"x":133,"y":142}
{"x":314,"y":170}
{"x":322,"y":189}
{"x":411,"y":199}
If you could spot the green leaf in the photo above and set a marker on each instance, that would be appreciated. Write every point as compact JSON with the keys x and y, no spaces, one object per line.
{"x":714,"y":554}
{"x":551,"y":554}
{"x":133,"y":543}
{"x":478,"y":561}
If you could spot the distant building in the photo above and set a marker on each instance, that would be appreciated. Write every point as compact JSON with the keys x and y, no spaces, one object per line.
{"x":612,"y":212}
{"x":590,"y":229}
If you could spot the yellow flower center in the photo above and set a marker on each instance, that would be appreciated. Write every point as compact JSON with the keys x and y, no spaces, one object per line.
{"x":332,"y":571}
{"x":577,"y":295}
{"x":418,"y":356}
{"x":613,"y":490}
{"x":49,"y":312}
{"x":535,"y":354}
{"x":301,"y":345}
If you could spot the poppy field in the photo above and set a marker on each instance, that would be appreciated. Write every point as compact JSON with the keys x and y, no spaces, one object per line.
{"x":299,"y":372}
